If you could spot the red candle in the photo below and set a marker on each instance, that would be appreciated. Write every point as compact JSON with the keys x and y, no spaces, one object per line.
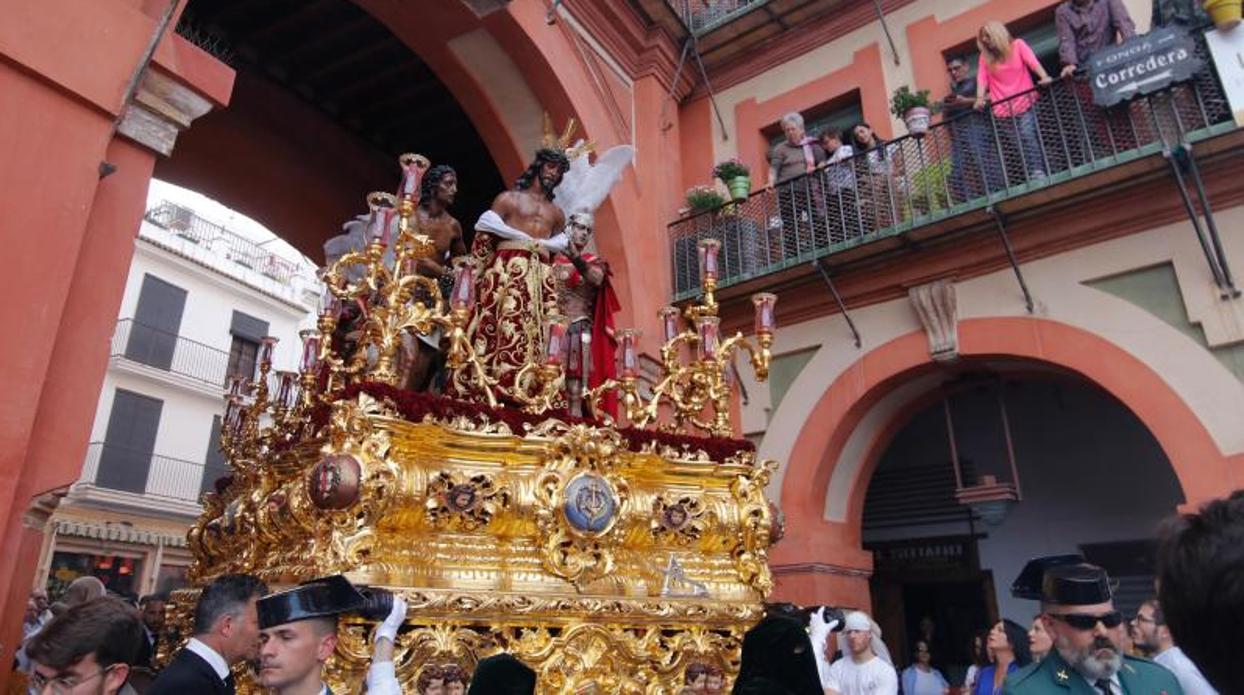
{"x":413,"y":167}
{"x":310,"y":349}
{"x":765,"y":322}
{"x":285,"y":389}
{"x":669,"y":320}
{"x":574,"y":354}
{"x":236,"y":385}
{"x":377,"y":227}
{"x":330,"y":306}
{"x":555,"y":347}
{"x":266,"y":344}
{"x":233,"y":414}
{"x":708,"y":258}
{"x":707,"y":326}
{"x":629,"y":337}
{"x":464,"y":284}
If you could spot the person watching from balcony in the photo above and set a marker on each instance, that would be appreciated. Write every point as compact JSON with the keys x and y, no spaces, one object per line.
{"x":974,"y":165}
{"x":1004,"y":77}
{"x":879,"y":176}
{"x":1087,"y":26}
{"x":794,"y":156}
{"x":841,"y":201}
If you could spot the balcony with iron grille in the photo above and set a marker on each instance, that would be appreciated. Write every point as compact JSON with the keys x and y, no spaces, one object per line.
{"x":117,"y":476}
{"x":169,"y":357}
{"x":915,"y":193}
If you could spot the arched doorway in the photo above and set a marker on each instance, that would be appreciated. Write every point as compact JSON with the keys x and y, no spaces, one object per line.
{"x":823,"y":485}
{"x":325,"y":99}
{"x":1092,"y":480}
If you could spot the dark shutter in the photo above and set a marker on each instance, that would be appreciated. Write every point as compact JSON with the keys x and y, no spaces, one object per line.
{"x":157,"y":319}
{"x":129,"y":442}
{"x":214,"y":463}
{"x":248,"y":327}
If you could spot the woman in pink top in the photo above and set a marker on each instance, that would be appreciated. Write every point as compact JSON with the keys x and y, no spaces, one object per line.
{"x":1005,"y":70}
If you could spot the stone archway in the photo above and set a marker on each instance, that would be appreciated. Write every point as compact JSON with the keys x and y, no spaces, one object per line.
{"x":840,"y":443}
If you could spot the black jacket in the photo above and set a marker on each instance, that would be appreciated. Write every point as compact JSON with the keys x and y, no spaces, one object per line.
{"x":189,"y":673}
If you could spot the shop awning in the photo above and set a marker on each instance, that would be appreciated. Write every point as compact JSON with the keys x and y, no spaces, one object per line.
{"x":121,"y":533}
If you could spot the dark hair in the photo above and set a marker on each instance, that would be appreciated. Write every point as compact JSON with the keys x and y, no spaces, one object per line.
{"x":957,"y":59}
{"x":453,"y":673}
{"x":1200,"y":563}
{"x":1018,"y":638}
{"x":431,"y":179}
{"x":162,"y":597}
{"x":543,"y":156}
{"x":915,"y":647}
{"x":834,"y":133}
{"x":105,"y":627}
{"x":227,"y":595}
{"x":427,"y":675}
{"x":878,"y":142}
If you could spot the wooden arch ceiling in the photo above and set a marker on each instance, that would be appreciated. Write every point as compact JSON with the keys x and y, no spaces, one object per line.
{"x":352,"y":69}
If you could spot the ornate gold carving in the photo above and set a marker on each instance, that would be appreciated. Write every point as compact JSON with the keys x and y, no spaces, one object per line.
{"x":455,"y":504}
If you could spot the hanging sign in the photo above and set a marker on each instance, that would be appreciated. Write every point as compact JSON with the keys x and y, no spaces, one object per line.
{"x":1142,"y":65}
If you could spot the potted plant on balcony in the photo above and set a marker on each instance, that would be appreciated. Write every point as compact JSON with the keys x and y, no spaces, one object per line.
{"x":702,"y":198}
{"x":737,"y":177}
{"x":913,"y":108}
{"x":1225,"y":13}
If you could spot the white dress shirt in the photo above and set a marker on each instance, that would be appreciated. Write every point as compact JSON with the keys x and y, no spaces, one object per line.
{"x":1186,"y":672}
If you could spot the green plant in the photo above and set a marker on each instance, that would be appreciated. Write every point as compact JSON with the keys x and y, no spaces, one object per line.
{"x":731,"y":168}
{"x":701,"y":198}
{"x":905,"y":100}
{"x":928,"y":188}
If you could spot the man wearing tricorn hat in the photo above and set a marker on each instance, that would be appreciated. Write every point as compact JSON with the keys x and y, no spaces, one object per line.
{"x":298,"y":633}
{"x":1077,"y":607}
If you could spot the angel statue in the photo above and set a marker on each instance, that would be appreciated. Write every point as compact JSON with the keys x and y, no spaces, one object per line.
{"x":585,"y":294}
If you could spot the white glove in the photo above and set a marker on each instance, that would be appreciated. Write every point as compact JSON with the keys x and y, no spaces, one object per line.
{"x":388,"y":629}
{"x":818,"y":634}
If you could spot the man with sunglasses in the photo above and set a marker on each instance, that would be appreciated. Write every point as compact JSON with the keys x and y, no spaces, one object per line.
{"x":88,"y":649}
{"x":1077,"y":607}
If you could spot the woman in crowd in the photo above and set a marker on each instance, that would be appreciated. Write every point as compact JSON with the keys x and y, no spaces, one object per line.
{"x":1004,"y":75}
{"x":981,"y":657}
{"x":921,"y":678}
{"x":1040,"y":642}
{"x":1008,"y":643}
{"x":841,"y":204}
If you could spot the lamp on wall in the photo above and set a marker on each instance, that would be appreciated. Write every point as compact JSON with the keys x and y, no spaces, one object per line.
{"x":989,"y":499}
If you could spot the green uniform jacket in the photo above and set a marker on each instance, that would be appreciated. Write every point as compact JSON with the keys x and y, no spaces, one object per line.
{"x":1053,"y":676}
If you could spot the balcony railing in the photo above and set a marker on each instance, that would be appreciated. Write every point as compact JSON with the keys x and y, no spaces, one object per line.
{"x":189,"y":226}
{"x":170,"y":352}
{"x":702,"y":16}
{"x":143,"y":473}
{"x":964,"y":163}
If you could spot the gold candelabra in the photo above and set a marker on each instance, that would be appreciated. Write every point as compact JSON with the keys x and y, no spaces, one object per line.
{"x":696,"y":390}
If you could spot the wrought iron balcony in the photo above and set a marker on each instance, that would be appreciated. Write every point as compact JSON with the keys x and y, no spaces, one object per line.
{"x":142,"y":473}
{"x":965,"y":163}
{"x":170,"y":352}
{"x":703,"y":16}
{"x":246,"y":253}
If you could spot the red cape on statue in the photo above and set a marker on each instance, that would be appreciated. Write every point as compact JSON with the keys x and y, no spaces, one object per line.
{"x":604,"y":342}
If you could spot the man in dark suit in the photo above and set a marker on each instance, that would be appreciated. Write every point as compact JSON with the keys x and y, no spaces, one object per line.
{"x":151,"y":607}
{"x":226,"y":631}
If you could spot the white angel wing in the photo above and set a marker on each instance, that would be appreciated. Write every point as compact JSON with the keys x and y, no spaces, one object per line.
{"x":586,"y":185}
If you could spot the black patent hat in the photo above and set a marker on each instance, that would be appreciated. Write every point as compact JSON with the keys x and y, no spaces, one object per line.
{"x":318,"y":598}
{"x":1076,"y":585}
{"x":1029,"y":583}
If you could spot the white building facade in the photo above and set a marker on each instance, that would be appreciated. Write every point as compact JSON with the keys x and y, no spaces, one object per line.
{"x":197,"y":302}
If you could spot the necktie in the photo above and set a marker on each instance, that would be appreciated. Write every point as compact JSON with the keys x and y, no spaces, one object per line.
{"x":1104,"y":686}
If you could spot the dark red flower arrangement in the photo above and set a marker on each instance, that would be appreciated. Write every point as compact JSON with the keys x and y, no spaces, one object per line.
{"x":415,"y":406}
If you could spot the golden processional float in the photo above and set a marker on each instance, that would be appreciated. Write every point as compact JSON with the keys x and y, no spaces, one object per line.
{"x":604,"y":556}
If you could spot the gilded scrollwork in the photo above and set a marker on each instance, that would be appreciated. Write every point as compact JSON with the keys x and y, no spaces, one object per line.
{"x":455,"y":503}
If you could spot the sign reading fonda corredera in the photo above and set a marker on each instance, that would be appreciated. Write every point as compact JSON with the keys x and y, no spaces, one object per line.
{"x":1142,"y":65}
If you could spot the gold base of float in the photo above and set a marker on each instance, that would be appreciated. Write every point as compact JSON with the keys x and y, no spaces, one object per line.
{"x":596,"y":558}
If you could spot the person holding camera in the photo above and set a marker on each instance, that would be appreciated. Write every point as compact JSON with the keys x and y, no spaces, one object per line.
{"x":298,"y":633}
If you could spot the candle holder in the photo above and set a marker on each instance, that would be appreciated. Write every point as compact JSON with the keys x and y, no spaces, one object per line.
{"x":539,"y":387}
{"x":697,"y":392}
